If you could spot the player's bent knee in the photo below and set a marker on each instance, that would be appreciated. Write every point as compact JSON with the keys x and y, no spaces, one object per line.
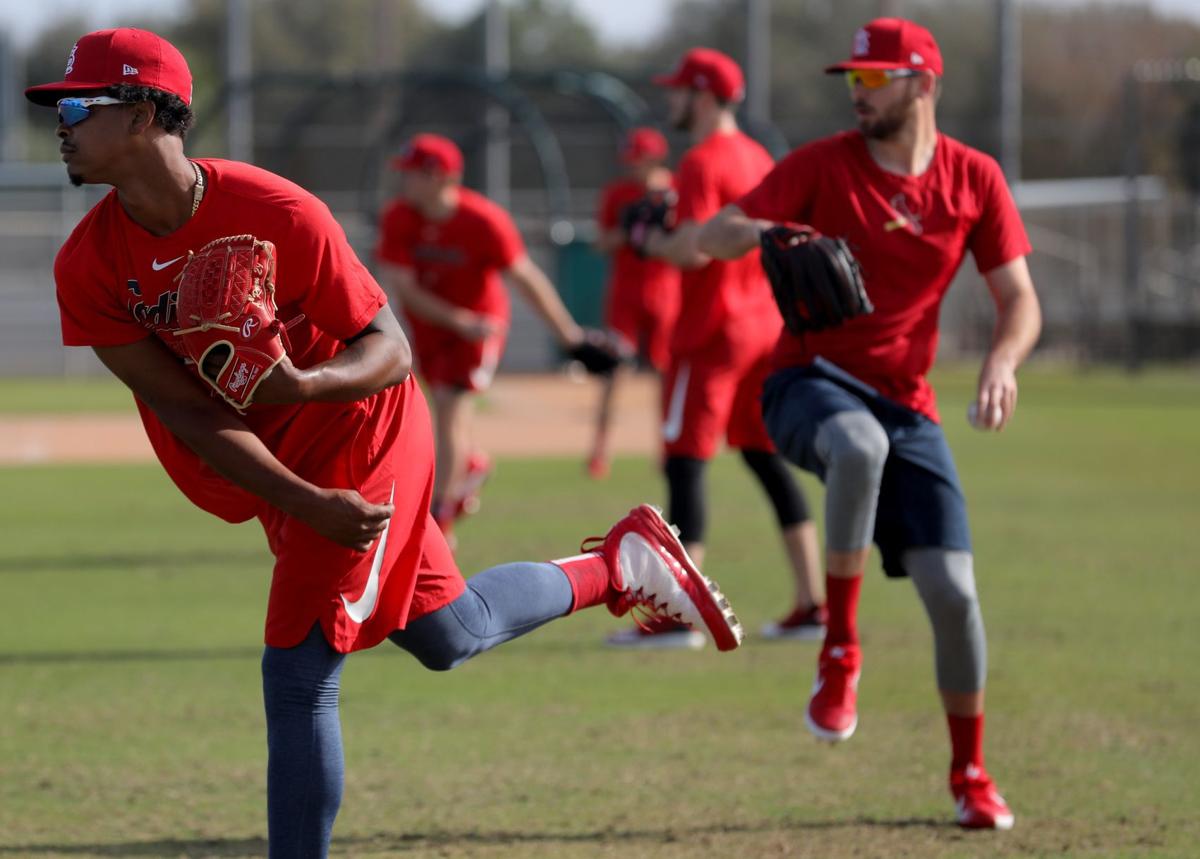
{"x":854,"y":444}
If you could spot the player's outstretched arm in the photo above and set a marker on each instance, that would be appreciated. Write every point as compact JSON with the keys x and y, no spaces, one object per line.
{"x":730,"y":233}
{"x":528,"y":279}
{"x":401,"y":284}
{"x":376,"y":358}
{"x":222,"y":440}
{"x":1018,"y":324}
{"x":678,"y":247}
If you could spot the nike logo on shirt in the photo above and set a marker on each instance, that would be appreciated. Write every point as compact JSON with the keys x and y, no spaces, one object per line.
{"x":159,"y":266}
{"x":361,"y":608}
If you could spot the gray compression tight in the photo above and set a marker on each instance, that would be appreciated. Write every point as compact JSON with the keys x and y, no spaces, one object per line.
{"x":945,"y":579}
{"x":853,"y":447}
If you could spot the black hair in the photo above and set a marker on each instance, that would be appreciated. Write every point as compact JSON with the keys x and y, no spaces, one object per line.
{"x":170,"y":113}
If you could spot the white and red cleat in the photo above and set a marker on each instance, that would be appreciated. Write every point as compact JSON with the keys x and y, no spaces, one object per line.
{"x":649,"y":569}
{"x":977,"y":801}
{"x":805,"y":623}
{"x":832,"y":713}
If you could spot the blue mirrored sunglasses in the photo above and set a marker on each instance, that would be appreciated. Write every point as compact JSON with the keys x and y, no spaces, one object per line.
{"x":72,"y":111}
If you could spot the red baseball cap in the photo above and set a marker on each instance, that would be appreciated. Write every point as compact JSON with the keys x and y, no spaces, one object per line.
{"x":430,"y":152}
{"x":892,"y":43}
{"x":707,"y":69}
{"x":124,"y":56}
{"x":643,"y":144}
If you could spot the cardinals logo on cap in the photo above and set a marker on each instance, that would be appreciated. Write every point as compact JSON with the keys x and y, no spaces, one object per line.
{"x":71,"y":60}
{"x":862,"y":43}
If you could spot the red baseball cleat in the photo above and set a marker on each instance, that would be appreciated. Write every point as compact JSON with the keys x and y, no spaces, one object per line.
{"x":831,"y":713}
{"x":657,"y":634}
{"x":479,"y":469}
{"x":805,"y":623}
{"x":978,"y":803}
{"x":598,"y":466}
{"x":649,"y":569}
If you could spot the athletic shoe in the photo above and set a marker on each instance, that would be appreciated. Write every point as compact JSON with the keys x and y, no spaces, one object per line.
{"x":479,"y":469}
{"x":979,"y":805}
{"x":803,"y":624}
{"x":831,"y":713}
{"x":598,"y":466}
{"x":650,"y":570}
{"x":657,"y":634}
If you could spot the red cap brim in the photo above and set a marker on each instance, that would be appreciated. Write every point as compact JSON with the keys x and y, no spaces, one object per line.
{"x":850,"y":65}
{"x":47,"y":95}
{"x":668,"y":81}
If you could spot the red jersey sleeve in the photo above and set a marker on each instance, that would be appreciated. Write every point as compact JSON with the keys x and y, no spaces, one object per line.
{"x":319,"y":271}
{"x":88,"y":300}
{"x":999,"y":236}
{"x":396,"y":236}
{"x":500,"y":242}
{"x":698,"y":189}
{"x":783,"y":193}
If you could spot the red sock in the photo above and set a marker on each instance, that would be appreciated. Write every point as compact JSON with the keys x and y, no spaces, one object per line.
{"x":588,"y":575}
{"x":841,"y":600}
{"x":966,"y":741}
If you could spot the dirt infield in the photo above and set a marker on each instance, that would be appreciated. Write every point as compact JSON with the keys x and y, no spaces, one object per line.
{"x":522,"y":415}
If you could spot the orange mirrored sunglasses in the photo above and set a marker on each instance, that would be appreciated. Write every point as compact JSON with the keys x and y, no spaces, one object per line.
{"x":876,"y":78}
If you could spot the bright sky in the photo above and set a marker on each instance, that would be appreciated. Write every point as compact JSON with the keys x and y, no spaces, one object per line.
{"x":619,"y":21}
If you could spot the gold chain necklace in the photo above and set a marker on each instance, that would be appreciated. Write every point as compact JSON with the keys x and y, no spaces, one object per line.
{"x":198,"y":188}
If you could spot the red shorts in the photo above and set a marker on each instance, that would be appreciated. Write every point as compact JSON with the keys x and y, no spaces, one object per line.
{"x":644,"y":314}
{"x":445,"y":358}
{"x":713,"y":394}
{"x":360,"y":598}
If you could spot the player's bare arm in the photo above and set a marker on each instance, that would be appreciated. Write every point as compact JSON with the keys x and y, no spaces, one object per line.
{"x":223,"y":441}
{"x":376,"y":358}
{"x":678,"y":247}
{"x":730,"y":234}
{"x":609,"y":240}
{"x":528,"y":279}
{"x":1018,"y":324}
{"x":401,"y":282}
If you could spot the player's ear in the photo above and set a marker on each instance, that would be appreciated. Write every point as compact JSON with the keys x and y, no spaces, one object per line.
{"x":141,"y":116}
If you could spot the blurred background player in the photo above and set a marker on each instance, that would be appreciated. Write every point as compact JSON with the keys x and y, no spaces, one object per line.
{"x":642,"y":299}
{"x":721,"y":347}
{"x":852,"y":404}
{"x":334,"y":456}
{"x":445,"y":252}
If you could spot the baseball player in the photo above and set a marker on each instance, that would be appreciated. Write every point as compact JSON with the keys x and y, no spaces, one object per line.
{"x":334,"y":455}
{"x":852,"y":404}
{"x":724,"y":334}
{"x":445,"y":252}
{"x":642,"y":300}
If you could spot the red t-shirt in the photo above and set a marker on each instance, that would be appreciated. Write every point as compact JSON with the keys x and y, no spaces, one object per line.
{"x":649,"y":277}
{"x":458,"y":259}
{"x":715,"y":172}
{"x":909,"y":233}
{"x":116,"y":286}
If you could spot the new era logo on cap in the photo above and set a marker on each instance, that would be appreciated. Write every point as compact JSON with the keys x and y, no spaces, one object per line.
{"x":127,"y":70}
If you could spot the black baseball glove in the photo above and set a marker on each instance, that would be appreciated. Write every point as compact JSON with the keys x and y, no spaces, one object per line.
{"x":600,"y":353}
{"x":655,"y":210}
{"x":816,"y":279}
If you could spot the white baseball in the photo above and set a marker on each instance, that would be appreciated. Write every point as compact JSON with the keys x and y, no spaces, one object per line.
{"x":973,"y":417}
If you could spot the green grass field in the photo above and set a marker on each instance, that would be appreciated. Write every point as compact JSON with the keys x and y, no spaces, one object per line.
{"x":130,"y":710}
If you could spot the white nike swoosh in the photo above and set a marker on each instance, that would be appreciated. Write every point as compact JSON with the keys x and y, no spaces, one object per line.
{"x":361,"y":609}
{"x":159,"y":266}
{"x":673,"y":425}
